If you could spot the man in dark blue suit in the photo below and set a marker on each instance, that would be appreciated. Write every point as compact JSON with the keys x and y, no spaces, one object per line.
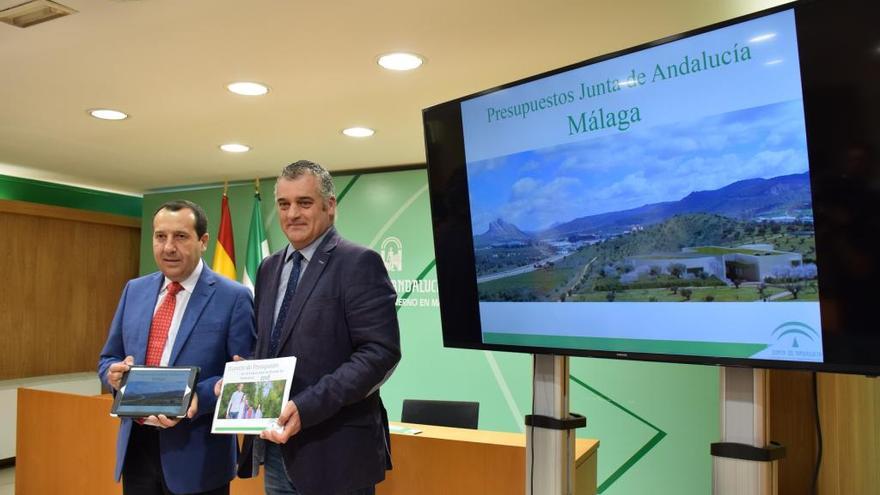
{"x":182,"y":315}
{"x":329,"y":303}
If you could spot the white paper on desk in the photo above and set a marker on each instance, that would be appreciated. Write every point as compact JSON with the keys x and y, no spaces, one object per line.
{"x":253,"y":394}
{"x":403,"y":430}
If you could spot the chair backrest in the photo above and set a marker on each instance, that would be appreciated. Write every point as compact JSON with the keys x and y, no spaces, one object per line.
{"x":457,"y":414}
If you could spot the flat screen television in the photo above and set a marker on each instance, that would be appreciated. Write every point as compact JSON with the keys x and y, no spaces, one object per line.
{"x":712,"y":197}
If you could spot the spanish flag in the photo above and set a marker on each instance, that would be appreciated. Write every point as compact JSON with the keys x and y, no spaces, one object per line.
{"x":224,"y":252}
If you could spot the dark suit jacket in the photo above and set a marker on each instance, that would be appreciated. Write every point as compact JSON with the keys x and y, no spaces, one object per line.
{"x":342,"y":328}
{"x":217,"y":324}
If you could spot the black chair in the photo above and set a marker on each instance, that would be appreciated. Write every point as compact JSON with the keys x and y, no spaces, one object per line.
{"x":457,"y":414}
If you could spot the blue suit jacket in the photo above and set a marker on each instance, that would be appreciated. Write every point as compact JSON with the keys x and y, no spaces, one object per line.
{"x":342,"y":328}
{"x":217,"y":324}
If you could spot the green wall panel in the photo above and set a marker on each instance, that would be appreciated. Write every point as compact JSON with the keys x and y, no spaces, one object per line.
{"x":241,"y":198}
{"x":48,"y":193}
{"x":655,"y":421}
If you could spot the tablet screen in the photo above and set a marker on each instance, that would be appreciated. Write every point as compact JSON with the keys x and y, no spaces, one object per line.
{"x":147,"y":391}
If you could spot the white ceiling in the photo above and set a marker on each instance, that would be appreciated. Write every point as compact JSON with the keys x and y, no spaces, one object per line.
{"x":167,"y":62}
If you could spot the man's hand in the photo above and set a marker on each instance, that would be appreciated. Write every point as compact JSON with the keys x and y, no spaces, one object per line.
{"x":218,"y":387}
{"x":116,"y":370}
{"x":162,"y":421}
{"x":289,"y":419}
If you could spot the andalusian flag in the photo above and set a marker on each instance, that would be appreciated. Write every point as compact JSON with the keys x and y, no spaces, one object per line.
{"x":257,"y":246}
{"x":224,"y":252}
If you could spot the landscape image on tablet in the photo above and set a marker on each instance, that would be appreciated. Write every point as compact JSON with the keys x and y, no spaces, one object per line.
{"x":154,"y":391}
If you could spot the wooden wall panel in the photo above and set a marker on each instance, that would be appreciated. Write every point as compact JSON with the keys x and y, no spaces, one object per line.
{"x":61,"y":280}
{"x":850,"y":412}
{"x":792,"y":423}
{"x":849,"y":408}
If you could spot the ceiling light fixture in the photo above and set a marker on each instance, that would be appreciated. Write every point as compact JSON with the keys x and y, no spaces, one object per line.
{"x":358,"y":132}
{"x":235,"y":148}
{"x":400,"y":61}
{"x":245,"y":88}
{"x":107,"y":114}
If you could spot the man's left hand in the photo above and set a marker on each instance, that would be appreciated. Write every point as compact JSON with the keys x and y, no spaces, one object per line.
{"x":162,"y":421}
{"x":289,"y":419}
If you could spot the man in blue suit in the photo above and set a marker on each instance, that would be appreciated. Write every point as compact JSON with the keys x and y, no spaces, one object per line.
{"x":182,"y":315}
{"x":329,"y":303}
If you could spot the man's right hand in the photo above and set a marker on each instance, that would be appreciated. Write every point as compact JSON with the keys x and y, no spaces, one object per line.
{"x":116,"y":370}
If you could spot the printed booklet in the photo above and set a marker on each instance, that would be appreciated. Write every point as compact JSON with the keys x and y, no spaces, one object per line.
{"x":254,"y":392}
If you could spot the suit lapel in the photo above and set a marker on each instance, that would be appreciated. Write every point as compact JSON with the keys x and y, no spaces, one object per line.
{"x":307,"y":283}
{"x":197,"y":301}
{"x":145,"y":317}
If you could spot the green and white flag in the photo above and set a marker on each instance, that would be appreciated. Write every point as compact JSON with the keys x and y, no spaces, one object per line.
{"x":257,"y":245}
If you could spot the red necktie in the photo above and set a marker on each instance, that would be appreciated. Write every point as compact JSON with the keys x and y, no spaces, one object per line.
{"x":161,"y":324}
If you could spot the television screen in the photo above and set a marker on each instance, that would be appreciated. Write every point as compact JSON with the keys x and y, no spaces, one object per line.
{"x":678,"y":201}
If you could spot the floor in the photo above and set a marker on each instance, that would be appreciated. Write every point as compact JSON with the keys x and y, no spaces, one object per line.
{"x":7,"y":481}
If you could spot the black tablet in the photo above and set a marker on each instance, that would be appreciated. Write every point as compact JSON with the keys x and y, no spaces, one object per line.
{"x":147,"y":390}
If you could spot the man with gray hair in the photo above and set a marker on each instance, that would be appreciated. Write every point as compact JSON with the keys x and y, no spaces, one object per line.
{"x":328,"y":302}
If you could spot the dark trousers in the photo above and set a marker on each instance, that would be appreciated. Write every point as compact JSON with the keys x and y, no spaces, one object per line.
{"x":275,"y":478}
{"x":142,"y":471}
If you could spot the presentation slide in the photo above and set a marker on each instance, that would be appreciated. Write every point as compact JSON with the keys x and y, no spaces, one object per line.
{"x":655,"y":202}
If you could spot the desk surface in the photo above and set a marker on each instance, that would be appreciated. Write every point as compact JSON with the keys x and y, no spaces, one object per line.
{"x":584,"y":447}
{"x":441,"y":460}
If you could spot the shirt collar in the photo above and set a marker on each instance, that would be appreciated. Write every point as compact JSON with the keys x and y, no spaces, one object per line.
{"x":190,"y":283}
{"x":308,"y":251}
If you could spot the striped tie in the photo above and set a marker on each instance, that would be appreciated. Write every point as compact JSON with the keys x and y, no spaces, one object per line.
{"x":275,"y":337}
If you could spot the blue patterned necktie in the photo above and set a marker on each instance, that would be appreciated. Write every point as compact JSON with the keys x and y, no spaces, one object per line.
{"x":275,"y":338}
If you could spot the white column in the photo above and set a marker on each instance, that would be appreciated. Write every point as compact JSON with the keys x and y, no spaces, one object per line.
{"x":550,"y":452}
{"x":744,"y":420}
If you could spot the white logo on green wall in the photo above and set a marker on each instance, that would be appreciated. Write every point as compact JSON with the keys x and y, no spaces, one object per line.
{"x":392,"y":254}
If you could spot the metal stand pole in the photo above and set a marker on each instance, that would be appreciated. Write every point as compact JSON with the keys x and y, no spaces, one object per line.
{"x":550,"y":431}
{"x":744,"y":462}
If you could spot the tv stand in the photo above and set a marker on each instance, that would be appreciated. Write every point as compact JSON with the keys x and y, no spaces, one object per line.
{"x":550,"y":432}
{"x":744,"y":462}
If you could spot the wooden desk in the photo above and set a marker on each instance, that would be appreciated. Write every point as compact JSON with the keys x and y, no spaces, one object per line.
{"x":66,"y":443}
{"x":443,"y":461}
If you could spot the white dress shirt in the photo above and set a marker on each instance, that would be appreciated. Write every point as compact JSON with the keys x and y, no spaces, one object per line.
{"x":182,"y":299}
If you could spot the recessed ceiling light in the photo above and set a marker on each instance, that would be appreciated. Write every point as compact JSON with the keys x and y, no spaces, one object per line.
{"x":400,"y":61}
{"x":358,"y":132}
{"x":248,"y":88}
{"x":235,"y":148}
{"x":107,"y":114}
